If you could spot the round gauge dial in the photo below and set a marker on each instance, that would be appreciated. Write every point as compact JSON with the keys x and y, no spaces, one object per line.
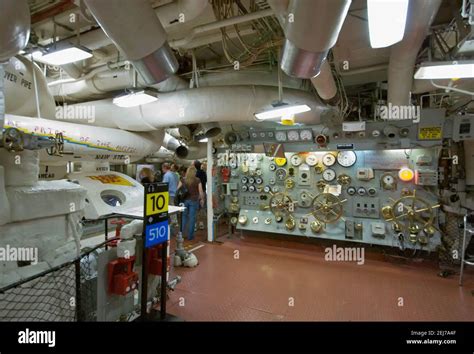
{"x":293,"y":135}
{"x":329,"y":159}
{"x":311,"y":160}
{"x":329,"y":175}
{"x":258,"y":180}
{"x":267,"y":189}
{"x":251,"y":180}
{"x":280,"y":136}
{"x":351,"y":190}
{"x":306,"y":135}
{"x":251,"y":188}
{"x":244,"y":188}
{"x":296,"y":160}
{"x":272,"y":167}
{"x":346,"y":158}
{"x":233,"y":163}
{"x":280,"y":174}
{"x":388,"y":179}
{"x":361,"y":191}
{"x":244,"y":180}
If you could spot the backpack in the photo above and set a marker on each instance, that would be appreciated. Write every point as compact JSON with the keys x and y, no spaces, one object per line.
{"x":182,"y":193}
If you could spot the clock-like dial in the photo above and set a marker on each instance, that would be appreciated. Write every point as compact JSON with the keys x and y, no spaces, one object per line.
{"x":329,"y":159}
{"x":306,"y":135}
{"x":280,"y":136}
{"x":296,"y":160}
{"x":311,"y":160}
{"x":329,"y":175}
{"x":293,"y":135}
{"x":346,"y":158}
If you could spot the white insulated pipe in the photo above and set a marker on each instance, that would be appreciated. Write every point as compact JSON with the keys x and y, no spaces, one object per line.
{"x":14,"y":27}
{"x":201,"y":105}
{"x":421,"y":14}
{"x":324,"y":82}
{"x":136,"y":30}
{"x":87,"y":143}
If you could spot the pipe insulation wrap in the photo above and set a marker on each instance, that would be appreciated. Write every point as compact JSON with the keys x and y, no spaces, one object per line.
{"x":14,"y":27}
{"x":201,"y":105}
{"x":136,"y":30}
{"x":2,"y":102}
{"x":403,"y":55}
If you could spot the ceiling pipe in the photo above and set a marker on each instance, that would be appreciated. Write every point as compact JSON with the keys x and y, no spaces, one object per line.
{"x":138,"y":33}
{"x":308,"y":40}
{"x":304,"y":63}
{"x":403,"y":55}
{"x":202,"y":105}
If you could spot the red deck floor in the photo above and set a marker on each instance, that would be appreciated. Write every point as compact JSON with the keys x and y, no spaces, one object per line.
{"x":271,"y":275}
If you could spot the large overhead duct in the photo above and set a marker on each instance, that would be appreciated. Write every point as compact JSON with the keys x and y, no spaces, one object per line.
{"x":324,"y":83}
{"x":421,"y":14}
{"x":189,"y":152}
{"x":201,"y":105}
{"x":311,"y":29}
{"x":136,"y":30}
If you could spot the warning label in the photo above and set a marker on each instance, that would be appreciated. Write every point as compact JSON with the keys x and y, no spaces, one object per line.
{"x":430,"y":133}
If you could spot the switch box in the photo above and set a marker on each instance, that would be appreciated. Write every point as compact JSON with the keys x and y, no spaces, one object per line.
{"x":366,"y":207}
{"x":426,"y":177}
{"x":378,"y":229}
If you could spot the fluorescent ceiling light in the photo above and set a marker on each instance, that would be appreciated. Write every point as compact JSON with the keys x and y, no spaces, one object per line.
{"x":387,"y":19}
{"x":282,"y":111}
{"x":446,"y":70}
{"x":133,"y":99}
{"x":65,"y":55}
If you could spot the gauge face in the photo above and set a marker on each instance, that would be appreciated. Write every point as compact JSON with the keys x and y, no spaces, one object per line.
{"x":280,"y":136}
{"x":329,"y":159}
{"x":267,"y":189}
{"x":346,"y":158}
{"x":233,"y":163}
{"x":272,"y":167}
{"x":293,"y":135}
{"x":388,"y":179}
{"x":329,"y":175}
{"x":244,"y":180}
{"x":351,"y":190}
{"x":361,"y":191}
{"x":296,"y":160}
{"x":306,"y":135}
{"x":311,"y":160}
{"x":280,"y":174}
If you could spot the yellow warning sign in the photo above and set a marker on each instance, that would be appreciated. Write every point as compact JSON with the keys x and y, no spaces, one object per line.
{"x":280,"y":161}
{"x":156,"y":203}
{"x":430,"y":133}
{"x":112,"y":179}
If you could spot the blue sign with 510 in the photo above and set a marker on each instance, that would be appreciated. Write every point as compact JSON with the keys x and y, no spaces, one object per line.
{"x":156,"y":214}
{"x":156,"y":233}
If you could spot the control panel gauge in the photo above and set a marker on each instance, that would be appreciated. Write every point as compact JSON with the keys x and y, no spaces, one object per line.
{"x":267,"y":189}
{"x":388,"y":181}
{"x":306,"y":135}
{"x":244,"y":180}
{"x":346,"y":158}
{"x":296,"y":160}
{"x":272,"y":181}
{"x":280,"y":161}
{"x":233,"y":163}
{"x":329,"y":175}
{"x":293,"y":135}
{"x":272,"y":167}
{"x":244,"y":188}
{"x":258,"y":180}
{"x":252,"y":189}
{"x":280,"y":136}
{"x":280,"y":174}
{"x":311,"y":160}
{"x":329,"y":159}
{"x":251,"y":180}
{"x":275,"y":189}
{"x":351,"y":190}
{"x":361,"y":191}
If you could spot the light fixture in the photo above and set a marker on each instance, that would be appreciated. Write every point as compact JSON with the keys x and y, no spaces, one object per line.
{"x":406,"y":174}
{"x":282,"y":110}
{"x":446,"y":70}
{"x":66,"y":55}
{"x":135,"y":98}
{"x":387,"y":19}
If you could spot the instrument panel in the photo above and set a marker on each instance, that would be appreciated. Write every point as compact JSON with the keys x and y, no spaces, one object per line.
{"x":360,"y":196}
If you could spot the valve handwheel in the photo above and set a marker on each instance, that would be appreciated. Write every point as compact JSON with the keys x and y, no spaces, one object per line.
{"x":327,"y":208}
{"x":280,"y":203}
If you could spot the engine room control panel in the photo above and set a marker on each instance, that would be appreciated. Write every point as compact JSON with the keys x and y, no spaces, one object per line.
{"x":384,"y":197}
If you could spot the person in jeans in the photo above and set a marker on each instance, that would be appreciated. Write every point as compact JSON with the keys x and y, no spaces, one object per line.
{"x":172,"y":179}
{"x":192,"y":201}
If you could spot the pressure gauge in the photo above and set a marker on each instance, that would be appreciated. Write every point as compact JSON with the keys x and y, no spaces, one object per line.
{"x":252,"y":189}
{"x":244,"y":180}
{"x":329,"y":159}
{"x":280,"y":174}
{"x":306,"y":135}
{"x":311,"y":160}
{"x":329,"y":175}
{"x":280,"y":136}
{"x":346,"y":158}
{"x":361,"y":191}
{"x":388,"y":180}
{"x":258,"y":180}
{"x":267,"y":189}
{"x":251,"y":180}
{"x":296,"y":160}
{"x":293,"y":135}
{"x":244,"y":188}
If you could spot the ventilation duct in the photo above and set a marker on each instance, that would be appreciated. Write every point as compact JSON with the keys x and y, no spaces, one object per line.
{"x":210,"y":130}
{"x":421,"y":14}
{"x":304,"y":54}
{"x":14,"y":27}
{"x":202,"y":105}
{"x":136,"y":30}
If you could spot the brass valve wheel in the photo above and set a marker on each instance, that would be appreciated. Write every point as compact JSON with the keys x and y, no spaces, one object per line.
{"x":412,"y":214}
{"x":327,"y":208}
{"x":281,"y":204}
